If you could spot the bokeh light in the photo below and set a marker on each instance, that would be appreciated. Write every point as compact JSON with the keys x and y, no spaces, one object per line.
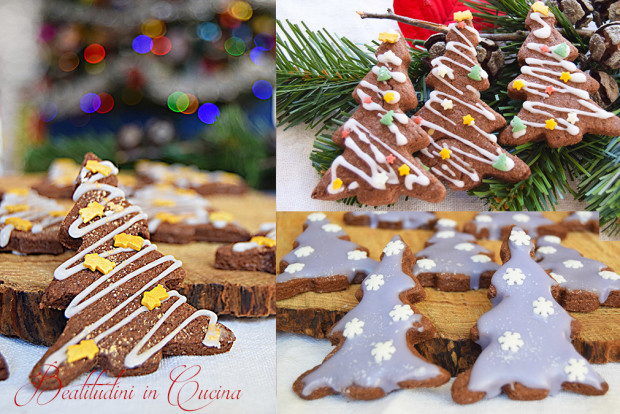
{"x":208,"y":113}
{"x":90,"y":102}
{"x":235,"y":46}
{"x":192,"y":106}
{"x":48,"y":111}
{"x":210,"y":32}
{"x":241,"y":10}
{"x":107,"y":103}
{"x":154,"y":28}
{"x":243,"y":31}
{"x":68,"y":61}
{"x":262,"y":89}
{"x":161,"y":46}
{"x":229,"y":21}
{"x":259,"y":56}
{"x":94,"y":53}
{"x":142,"y":44}
{"x":178,"y":101}
{"x":264,"y":40}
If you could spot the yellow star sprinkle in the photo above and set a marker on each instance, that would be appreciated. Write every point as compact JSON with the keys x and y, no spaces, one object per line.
{"x":58,"y":213}
{"x":97,"y":167}
{"x":388,"y":37}
{"x":125,"y":240}
{"x":19,"y":191}
{"x":550,"y":124}
{"x":462,"y":15}
{"x":404,"y":169}
{"x":91,"y":211}
{"x":163,"y":202}
{"x":167,"y":217}
{"x":16,"y":208}
{"x":565,"y":76}
{"x":221,"y":216}
{"x":540,"y":7}
{"x":152,"y":298}
{"x":19,"y":223}
{"x":185,"y":192}
{"x":337,"y":184}
{"x":388,"y":97}
{"x":263,"y":241}
{"x":518,"y":84}
{"x":85,"y":349}
{"x":95,"y":262}
{"x":468,"y":120}
{"x":445,"y":153}
{"x":213,"y":337}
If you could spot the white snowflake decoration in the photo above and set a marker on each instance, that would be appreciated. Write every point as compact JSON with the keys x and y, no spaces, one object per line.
{"x":584,"y":216}
{"x":331,"y":228}
{"x":543,"y":307}
{"x":357,"y":255}
{"x":514,"y":276}
{"x":576,"y":369}
{"x":426,"y":264}
{"x":401,"y":313}
{"x":483,"y":218}
{"x":557,"y":277}
{"x":374,"y":282}
{"x":606,"y":274}
{"x":394,"y":247}
{"x":547,"y":249}
{"x":383,"y":351}
{"x":353,"y":328}
{"x":446,"y":234}
{"x":480,"y":258}
{"x":316,"y":217}
{"x":444,"y":222}
{"x":304,"y":251}
{"x":510,"y":341}
{"x":464,"y":246}
{"x":552,"y":239}
{"x":520,"y":238}
{"x":379,"y":213}
{"x":294,"y":267}
{"x":573,"y":264}
{"x":521,"y":218}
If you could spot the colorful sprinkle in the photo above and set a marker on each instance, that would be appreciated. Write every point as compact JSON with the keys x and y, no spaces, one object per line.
{"x":94,"y":209}
{"x":263,"y":241}
{"x":388,"y":37}
{"x":19,"y":223}
{"x":165,"y":217}
{"x":388,"y":118}
{"x":447,"y":104}
{"x":367,"y":100}
{"x":550,"y":124}
{"x":549,"y":90}
{"x":152,"y":298}
{"x":125,"y":241}
{"x":476,"y":73}
{"x":445,"y":153}
{"x":442,"y":70}
{"x":468,"y":120}
{"x":97,"y":167}
{"x":565,"y":76}
{"x":462,"y":15}
{"x":517,"y":124}
{"x":383,"y":74}
{"x":572,"y":118}
{"x":404,"y":169}
{"x":345,"y":133}
{"x":337,"y":184}
{"x":418,"y":120}
{"x":562,"y":50}
{"x":544,"y":48}
{"x":501,"y":163}
{"x":518,"y":84}
{"x":16,"y":208}
{"x":461,"y":25}
{"x":95,"y":262}
{"x":390,"y":159}
{"x":85,"y":349}
{"x":388,"y":97}
{"x":540,"y":7}
{"x":221,"y":216}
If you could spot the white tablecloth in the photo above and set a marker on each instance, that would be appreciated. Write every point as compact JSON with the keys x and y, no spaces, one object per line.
{"x":249,"y":367}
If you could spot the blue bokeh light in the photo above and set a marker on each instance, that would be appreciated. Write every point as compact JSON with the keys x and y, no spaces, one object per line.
{"x":208,"y":113}
{"x":142,"y":44}
{"x":48,"y":111}
{"x":90,"y":102}
{"x":210,"y":32}
{"x":264,"y":40}
{"x":258,"y":56}
{"x":262,"y":89}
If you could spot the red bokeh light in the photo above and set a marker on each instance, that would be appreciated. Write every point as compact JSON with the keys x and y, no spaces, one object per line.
{"x":161,"y":46}
{"x":94,"y":53}
{"x":107,"y":103}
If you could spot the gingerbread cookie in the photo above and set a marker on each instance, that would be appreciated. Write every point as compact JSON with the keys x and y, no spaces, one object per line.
{"x":181,"y":216}
{"x":258,"y":254}
{"x":582,"y":283}
{"x":323,"y":260}
{"x":4,"y":369}
{"x":410,"y":220}
{"x":526,"y":336}
{"x":581,"y":221}
{"x":375,"y":352}
{"x":59,"y":180}
{"x":29,"y":223}
{"x":462,"y":149}
{"x":452,"y":261}
{"x":378,"y":140}
{"x":189,"y":177}
{"x":124,"y":315}
{"x":558,"y":107}
{"x":496,"y":225}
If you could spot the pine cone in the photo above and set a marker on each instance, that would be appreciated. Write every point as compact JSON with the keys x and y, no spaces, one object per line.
{"x":491,"y":57}
{"x":579,"y":12}
{"x":605,"y":45}
{"x":436,"y":46}
{"x":608,"y":92}
{"x":606,"y":10}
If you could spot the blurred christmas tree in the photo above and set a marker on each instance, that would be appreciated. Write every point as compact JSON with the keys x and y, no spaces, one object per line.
{"x":156,"y":75}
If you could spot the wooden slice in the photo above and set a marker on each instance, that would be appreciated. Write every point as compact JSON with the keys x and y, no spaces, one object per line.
{"x":453,"y":313}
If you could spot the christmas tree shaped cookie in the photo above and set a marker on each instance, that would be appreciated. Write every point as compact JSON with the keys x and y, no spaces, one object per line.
{"x":374,"y":352}
{"x":323,"y":260}
{"x":452,"y":261}
{"x":557,"y":106}
{"x":462,"y":149}
{"x":526,"y":336}
{"x":118,"y":291}
{"x":410,"y":220}
{"x":582,"y":283}
{"x":379,"y":138}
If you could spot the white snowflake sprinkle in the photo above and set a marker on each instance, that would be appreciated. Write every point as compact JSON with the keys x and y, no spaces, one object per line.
{"x":304,"y":251}
{"x":353,"y":328}
{"x":383,"y":351}
{"x":573,"y":264}
{"x":543,"y":307}
{"x":374,"y":282}
{"x":520,"y":238}
{"x":294,"y":267}
{"x":394,"y":247}
{"x":552,"y":239}
{"x":480,"y":258}
{"x":426,"y":264}
{"x":547,"y":249}
{"x":510,"y":341}
{"x":316,"y":217}
{"x":444,"y":222}
{"x":557,"y":277}
{"x":357,"y":255}
{"x":514,"y":276}
{"x":483,"y":218}
{"x":584,"y":216}
{"x":401,"y":313}
{"x":572,"y":118}
{"x":609,"y":275}
{"x":446,"y":234}
{"x":576,"y":369}
{"x":464,"y":246}
{"x":521,"y":218}
{"x":379,"y":213}
{"x":331,"y":228}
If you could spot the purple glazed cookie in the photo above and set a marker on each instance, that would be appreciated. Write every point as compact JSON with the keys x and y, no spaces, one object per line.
{"x":409,"y":220}
{"x":496,"y":225}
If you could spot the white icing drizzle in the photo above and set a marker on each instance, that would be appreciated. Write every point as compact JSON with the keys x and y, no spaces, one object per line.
{"x":244,"y":246}
{"x":545,"y":31}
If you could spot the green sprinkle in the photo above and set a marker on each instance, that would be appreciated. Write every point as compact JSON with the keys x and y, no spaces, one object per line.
{"x":500,"y":164}
{"x":517,"y":125}
{"x":561,"y":50}
{"x":388,"y":118}
{"x":476,"y":73}
{"x":383,"y":74}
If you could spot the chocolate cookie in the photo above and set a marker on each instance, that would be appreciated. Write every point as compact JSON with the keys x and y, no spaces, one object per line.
{"x":258,"y":254}
{"x":4,"y":369}
{"x":496,"y":225}
{"x":59,"y":180}
{"x":410,"y":220}
{"x":581,"y":221}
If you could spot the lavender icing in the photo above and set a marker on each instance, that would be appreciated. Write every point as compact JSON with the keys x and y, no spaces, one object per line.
{"x":582,"y":217}
{"x":529,"y":221}
{"x":411,"y":220}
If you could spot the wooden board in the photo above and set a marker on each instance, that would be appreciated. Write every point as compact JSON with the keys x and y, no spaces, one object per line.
{"x":23,"y":279}
{"x":453,"y":313}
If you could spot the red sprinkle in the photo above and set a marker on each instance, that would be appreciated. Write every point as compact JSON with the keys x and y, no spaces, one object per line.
{"x":345,"y":133}
{"x":462,"y":24}
{"x":418,"y":120}
{"x":544,"y":48}
{"x":367,"y":99}
{"x":549,"y":90}
{"x":390,"y":159}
